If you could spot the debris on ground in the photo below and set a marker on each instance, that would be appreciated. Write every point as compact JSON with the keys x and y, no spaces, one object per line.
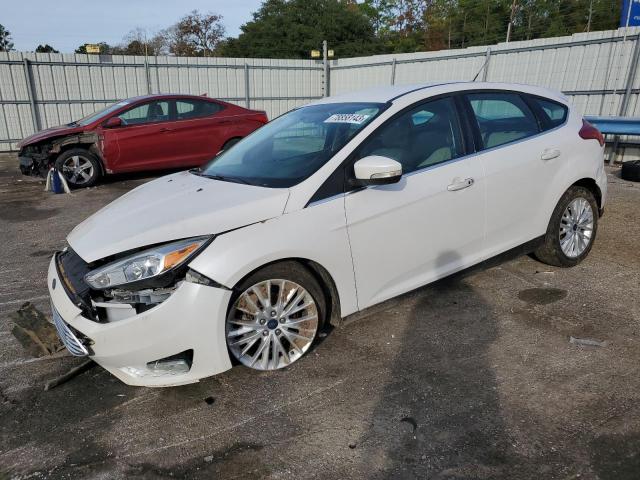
{"x":410,"y":421}
{"x":587,"y":341}
{"x":65,"y":377}
{"x":34,"y":332}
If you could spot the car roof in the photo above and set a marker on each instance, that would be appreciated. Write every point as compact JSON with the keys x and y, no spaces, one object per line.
{"x":392,"y":92}
{"x":167,"y":95}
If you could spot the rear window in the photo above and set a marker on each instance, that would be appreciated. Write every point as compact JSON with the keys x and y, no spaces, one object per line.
{"x":555,"y":112}
{"x":502,"y":118}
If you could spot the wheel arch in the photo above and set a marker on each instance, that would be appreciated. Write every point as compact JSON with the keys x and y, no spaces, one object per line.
{"x":591,"y":185}
{"x":321,"y":275}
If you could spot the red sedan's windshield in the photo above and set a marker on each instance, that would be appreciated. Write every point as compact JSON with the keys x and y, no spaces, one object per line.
{"x":100,"y":113}
{"x":292,"y":147}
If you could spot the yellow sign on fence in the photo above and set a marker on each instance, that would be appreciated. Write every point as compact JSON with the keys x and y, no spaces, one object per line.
{"x":92,"y":48}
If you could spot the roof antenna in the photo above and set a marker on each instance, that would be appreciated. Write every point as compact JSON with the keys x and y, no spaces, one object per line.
{"x":485,"y":64}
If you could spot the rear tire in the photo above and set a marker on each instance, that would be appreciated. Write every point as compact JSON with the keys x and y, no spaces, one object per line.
{"x":274,"y":317}
{"x":631,"y":171}
{"x":571,"y":230}
{"x":80,"y":167}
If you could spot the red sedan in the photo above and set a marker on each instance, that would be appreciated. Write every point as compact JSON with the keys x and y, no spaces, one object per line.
{"x":142,"y":133}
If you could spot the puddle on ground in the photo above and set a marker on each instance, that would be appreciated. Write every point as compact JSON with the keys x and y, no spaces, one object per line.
{"x":542,"y":296}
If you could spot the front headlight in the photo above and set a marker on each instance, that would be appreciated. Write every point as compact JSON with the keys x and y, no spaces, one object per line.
{"x":146,"y":264}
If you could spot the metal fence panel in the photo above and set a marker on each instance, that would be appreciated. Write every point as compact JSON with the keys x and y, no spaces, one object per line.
{"x":592,"y":69}
{"x":66,"y":87}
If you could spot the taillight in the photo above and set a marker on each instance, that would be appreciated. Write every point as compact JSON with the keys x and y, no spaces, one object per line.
{"x":589,"y":132}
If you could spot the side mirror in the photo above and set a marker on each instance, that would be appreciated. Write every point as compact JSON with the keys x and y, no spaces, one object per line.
{"x":377,"y":170}
{"x":113,"y":122}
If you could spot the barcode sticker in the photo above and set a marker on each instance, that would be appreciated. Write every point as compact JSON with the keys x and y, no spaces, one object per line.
{"x":356,"y":118}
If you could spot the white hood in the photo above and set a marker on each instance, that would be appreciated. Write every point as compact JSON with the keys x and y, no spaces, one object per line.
{"x":173,"y":207}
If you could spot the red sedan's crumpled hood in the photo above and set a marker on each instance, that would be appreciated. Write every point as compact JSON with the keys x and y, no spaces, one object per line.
{"x":52,"y":132}
{"x":169,"y":208}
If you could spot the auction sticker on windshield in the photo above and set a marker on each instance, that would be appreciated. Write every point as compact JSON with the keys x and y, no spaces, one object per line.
{"x":356,"y":118}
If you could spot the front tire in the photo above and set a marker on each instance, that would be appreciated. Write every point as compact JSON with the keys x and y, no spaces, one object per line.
{"x":571,"y":230}
{"x":80,"y":167}
{"x":275,"y":316}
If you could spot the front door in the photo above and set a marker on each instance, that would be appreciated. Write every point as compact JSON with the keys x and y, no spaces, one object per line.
{"x":432,"y":222}
{"x":144,"y":140}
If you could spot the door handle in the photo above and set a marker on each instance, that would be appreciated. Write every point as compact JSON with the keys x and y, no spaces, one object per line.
{"x":550,"y":154}
{"x":165,"y":129}
{"x":460,"y":184}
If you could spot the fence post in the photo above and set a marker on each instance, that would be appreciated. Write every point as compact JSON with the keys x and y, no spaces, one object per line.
{"x":35,"y":118}
{"x":393,"y":72}
{"x":247,"y":97}
{"x":485,"y":71}
{"x":325,"y":61}
{"x":624,"y":104}
{"x":147,"y":74}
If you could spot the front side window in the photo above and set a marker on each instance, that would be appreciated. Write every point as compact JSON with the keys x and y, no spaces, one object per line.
{"x":421,"y":137}
{"x":502,"y":118}
{"x":292,"y":147}
{"x":187,"y":109}
{"x":151,"y":112}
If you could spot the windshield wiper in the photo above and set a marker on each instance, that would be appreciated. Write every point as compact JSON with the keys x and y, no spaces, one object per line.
{"x":224,"y":178}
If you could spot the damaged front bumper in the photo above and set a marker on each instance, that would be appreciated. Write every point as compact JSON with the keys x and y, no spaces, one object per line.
{"x":191,"y":320}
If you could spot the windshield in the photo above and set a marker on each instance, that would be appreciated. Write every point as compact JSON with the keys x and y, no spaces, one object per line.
{"x":292,"y":147}
{"x":100,"y":113}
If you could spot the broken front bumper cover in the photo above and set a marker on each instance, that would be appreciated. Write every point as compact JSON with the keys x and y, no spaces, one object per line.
{"x":192,"y":318}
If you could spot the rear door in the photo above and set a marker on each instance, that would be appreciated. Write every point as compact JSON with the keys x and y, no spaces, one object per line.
{"x":522,"y":157}
{"x":200,"y":128}
{"x":431,"y":223}
{"x":142,"y":140}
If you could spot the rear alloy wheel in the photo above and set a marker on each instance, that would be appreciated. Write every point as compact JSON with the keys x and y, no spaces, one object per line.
{"x":79,"y":167}
{"x":572,"y":229}
{"x":274,"y":321}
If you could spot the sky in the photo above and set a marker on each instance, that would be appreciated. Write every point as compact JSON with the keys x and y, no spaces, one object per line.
{"x":67,"y":24}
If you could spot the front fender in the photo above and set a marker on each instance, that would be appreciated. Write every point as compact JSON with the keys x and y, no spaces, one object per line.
{"x":317,"y":233}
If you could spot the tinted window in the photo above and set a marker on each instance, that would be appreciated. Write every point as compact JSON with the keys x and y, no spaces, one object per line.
{"x":502,"y":118}
{"x":186,"y":109}
{"x":157,"y":111}
{"x":555,"y":112}
{"x":292,"y":147}
{"x":423,"y":136}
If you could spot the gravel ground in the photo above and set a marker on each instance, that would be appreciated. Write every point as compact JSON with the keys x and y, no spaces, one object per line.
{"x":473,"y":377}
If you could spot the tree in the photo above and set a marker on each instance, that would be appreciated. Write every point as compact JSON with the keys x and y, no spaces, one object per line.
{"x":46,"y":49}
{"x":105,"y":48}
{"x":196,"y":35}
{"x":292,"y":28}
{"x":136,"y":42}
{"x":6,"y":45}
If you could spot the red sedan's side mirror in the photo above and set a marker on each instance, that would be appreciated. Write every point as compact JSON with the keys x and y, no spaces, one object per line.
{"x":113,"y":122}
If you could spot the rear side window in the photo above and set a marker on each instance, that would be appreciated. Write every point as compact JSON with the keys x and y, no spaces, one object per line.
{"x":502,"y":118}
{"x":186,"y":109}
{"x":556,"y":113}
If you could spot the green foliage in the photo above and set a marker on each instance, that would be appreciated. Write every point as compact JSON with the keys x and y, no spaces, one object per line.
{"x":6,"y":45}
{"x":46,"y":49}
{"x":291,"y":29}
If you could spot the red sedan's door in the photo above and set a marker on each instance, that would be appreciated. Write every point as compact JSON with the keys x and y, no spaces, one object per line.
{"x":143,"y":140}
{"x":201,"y":128}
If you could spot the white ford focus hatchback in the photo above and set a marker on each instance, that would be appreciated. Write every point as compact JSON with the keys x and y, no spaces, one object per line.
{"x":325,"y":211}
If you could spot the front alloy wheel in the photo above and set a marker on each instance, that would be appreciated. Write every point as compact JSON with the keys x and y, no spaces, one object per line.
{"x":272,"y":324}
